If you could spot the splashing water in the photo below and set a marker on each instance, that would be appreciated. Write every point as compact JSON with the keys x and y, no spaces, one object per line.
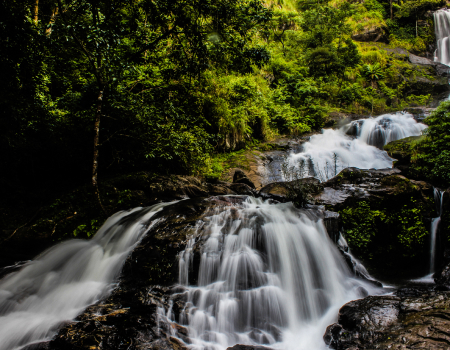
{"x":442,"y":31}
{"x":269,"y":274}
{"x":64,"y":280}
{"x":328,"y":153}
{"x":386,"y":128}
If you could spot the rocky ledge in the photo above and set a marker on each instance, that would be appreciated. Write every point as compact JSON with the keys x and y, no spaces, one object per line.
{"x":411,"y":318}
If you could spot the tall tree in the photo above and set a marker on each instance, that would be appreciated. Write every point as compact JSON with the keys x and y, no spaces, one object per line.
{"x":117,"y":37}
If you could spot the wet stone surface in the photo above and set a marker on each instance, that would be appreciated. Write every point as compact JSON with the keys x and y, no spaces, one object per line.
{"x":410,"y":319}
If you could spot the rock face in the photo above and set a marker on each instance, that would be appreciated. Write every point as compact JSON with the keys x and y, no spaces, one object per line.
{"x":441,"y":69}
{"x":353,"y":185}
{"x":239,"y":177}
{"x":410,"y":319}
{"x":385,"y":218}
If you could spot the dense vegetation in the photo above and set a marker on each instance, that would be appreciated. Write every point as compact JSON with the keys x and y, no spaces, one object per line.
{"x":94,"y":89}
{"x":431,"y":154}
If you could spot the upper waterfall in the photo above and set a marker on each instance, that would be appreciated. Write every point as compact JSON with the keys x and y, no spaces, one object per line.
{"x":328,"y":153}
{"x":442,"y":31}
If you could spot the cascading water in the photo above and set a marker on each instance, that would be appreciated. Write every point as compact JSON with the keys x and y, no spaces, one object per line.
{"x":442,"y":31}
{"x":64,"y":280}
{"x":328,"y":153}
{"x":438,"y":199}
{"x":268,"y":274}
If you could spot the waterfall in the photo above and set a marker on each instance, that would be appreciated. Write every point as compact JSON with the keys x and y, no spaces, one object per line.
{"x":438,"y":199}
{"x":60,"y":283}
{"x":442,"y":31}
{"x":269,"y":275}
{"x":326,"y":154}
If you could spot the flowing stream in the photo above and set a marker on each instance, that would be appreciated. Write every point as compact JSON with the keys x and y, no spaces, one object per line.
{"x":269,"y":275}
{"x":326,"y":154}
{"x":442,"y":31}
{"x":60,"y":283}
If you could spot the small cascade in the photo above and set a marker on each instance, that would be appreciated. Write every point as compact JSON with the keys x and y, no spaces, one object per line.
{"x":438,"y":199}
{"x":381,"y":130}
{"x":269,"y":275}
{"x":64,"y":280}
{"x":442,"y":31}
{"x":328,"y":153}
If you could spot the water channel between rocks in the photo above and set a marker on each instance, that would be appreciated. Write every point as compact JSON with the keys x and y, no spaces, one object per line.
{"x":268,"y":274}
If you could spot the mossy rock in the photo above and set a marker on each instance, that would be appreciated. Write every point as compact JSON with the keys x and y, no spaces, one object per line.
{"x":402,"y":150}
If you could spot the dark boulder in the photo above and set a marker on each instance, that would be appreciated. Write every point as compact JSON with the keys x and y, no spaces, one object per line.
{"x":242,"y":189}
{"x":410,"y":319}
{"x":440,"y":68}
{"x":275,"y":190}
{"x":248,"y":347}
{"x":241,"y":178}
{"x":377,"y":35}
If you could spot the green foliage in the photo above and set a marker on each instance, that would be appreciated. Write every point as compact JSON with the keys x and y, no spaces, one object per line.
{"x":375,"y":6}
{"x":432,"y":159}
{"x":361,"y":225}
{"x":371,"y":231}
{"x":373,"y":72}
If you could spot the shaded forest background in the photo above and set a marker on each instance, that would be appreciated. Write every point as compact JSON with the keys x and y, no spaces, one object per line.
{"x":95,"y":89}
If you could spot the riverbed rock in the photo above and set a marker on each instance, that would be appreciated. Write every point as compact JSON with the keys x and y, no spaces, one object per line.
{"x":285,"y":191}
{"x":241,"y":178}
{"x":409,"y":319}
{"x":248,"y":347}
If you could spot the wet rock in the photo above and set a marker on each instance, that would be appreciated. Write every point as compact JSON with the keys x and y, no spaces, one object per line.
{"x":332,"y":222}
{"x":353,"y":184}
{"x":241,"y":178}
{"x":248,"y":347}
{"x":219,"y":189}
{"x":416,"y":319}
{"x":442,"y":276}
{"x":275,"y":190}
{"x":243,"y":189}
{"x":286,"y":191}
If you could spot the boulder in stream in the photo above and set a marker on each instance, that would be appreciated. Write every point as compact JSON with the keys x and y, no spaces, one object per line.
{"x":409,"y":319}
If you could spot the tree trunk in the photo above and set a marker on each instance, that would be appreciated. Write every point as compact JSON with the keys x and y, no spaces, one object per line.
{"x":390,"y":6}
{"x":35,"y":11}
{"x":98,"y":114}
{"x":48,"y":31}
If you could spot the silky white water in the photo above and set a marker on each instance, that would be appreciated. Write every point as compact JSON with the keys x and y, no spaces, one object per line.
{"x":326,"y":154}
{"x":438,"y":199}
{"x":268,"y":274}
{"x":64,"y":280}
{"x":442,"y":32}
